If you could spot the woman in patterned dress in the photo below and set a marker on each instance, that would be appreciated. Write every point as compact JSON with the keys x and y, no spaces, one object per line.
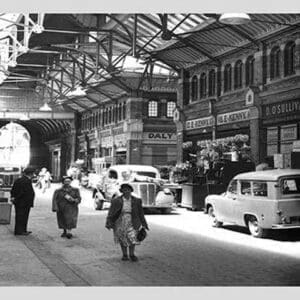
{"x":126,"y":216}
{"x":65,"y":203}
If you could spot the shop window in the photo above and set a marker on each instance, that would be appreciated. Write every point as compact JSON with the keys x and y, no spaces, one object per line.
{"x":275,"y":62}
{"x":289,"y":59}
{"x":152,"y":109}
{"x":170,"y":109}
{"x":227,"y":78}
{"x":238,"y":74}
{"x":249,"y":70}
{"x":194,"y":88}
{"x":260,"y":189}
{"x":203,"y":85}
{"x":246,"y":188}
{"x":211,"y":83}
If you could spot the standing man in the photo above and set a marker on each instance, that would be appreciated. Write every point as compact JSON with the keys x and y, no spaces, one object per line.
{"x":22,"y":195}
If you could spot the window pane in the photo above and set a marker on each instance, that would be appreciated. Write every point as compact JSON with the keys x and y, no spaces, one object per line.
{"x":152,"y":109}
{"x":290,"y":186}
{"x":170,"y":109}
{"x":260,"y":189}
{"x":232,"y":187}
{"x":245,"y":188}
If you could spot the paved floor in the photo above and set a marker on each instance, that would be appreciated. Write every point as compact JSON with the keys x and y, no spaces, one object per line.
{"x":182,"y":249}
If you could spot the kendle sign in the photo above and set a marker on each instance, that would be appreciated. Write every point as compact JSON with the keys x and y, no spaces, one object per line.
{"x":281,"y":108}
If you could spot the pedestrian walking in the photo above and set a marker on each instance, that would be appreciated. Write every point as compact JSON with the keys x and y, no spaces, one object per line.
{"x":44,"y":181}
{"x":65,"y":203}
{"x":126,"y":217}
{"x":22,"y":196}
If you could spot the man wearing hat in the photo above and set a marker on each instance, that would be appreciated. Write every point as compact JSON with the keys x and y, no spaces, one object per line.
{"x":22,"y":196}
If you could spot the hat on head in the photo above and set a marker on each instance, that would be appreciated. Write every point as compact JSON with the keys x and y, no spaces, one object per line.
{"x":66,"y":177}
{"x":124,"y":186}
{"x":28,"y":170}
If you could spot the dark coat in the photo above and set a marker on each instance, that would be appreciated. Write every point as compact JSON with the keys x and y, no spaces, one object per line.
{"x":66,"y":210}
{"x":23,"y":192}
{"x":137,"y":213}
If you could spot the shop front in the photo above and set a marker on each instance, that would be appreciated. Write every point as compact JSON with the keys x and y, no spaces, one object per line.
{"x":281,"y":123}
{"x":159,"y":148}
{"x":215,"y":149}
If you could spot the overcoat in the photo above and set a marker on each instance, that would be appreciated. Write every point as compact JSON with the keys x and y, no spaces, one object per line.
{"x":23,"y":192}
{"x":137,"y":213}
{"x":66,"y":211}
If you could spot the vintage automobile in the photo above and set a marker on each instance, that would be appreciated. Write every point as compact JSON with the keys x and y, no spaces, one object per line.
{"x":145,"y":181}
{"x":260,"y":200}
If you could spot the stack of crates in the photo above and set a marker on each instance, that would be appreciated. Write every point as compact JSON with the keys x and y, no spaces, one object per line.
{"x":5,"y":207}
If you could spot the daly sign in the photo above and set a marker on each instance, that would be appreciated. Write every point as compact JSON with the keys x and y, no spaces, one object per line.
{"x":160,"y":136}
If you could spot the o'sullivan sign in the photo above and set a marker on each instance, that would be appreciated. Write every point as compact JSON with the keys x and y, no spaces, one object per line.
{"x":281,"y":108}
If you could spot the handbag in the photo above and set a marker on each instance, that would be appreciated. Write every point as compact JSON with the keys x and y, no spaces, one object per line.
{"x":141,"y":234}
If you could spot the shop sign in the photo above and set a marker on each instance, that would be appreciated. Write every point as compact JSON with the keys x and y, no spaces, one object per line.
{"x":120,"y":141}
{"x":288,"y":133}
{"x":200,"y":123}
{"x":107,"y":142}
{"x":281,"y":108}
{"x":233,"y":117}
{"x":162,"y":136}
{"x":272,"y":134}
{"x":296,"y":146}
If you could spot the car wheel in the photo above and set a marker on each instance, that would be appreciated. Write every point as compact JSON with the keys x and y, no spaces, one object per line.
{"x":98,"y":204}
{"x":255,"y":229}
{"x":211,"y":213}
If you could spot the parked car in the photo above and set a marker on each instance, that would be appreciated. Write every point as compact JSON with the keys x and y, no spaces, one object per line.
{"x":259,"y":200}
{"x":145,"y":181}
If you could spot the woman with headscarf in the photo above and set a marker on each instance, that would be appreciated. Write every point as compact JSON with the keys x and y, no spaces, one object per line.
{"x":126,"y":217}
{"x":65,"y":203}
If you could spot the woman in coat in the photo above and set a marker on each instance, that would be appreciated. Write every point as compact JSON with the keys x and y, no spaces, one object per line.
{"x":126,"y":217}
{"x":65,"y":203}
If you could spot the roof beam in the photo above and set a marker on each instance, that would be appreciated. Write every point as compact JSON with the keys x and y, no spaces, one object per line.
{"x":182,"y":40}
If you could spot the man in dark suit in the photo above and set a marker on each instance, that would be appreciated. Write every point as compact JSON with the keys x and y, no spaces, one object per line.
{"x":22,"y":196}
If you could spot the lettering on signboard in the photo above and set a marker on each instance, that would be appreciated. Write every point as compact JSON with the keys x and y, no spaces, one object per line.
{"x":200,"y":123}
{"x":161,"y":135}
{"x":282,"y":108}
{"x":232,"y":117}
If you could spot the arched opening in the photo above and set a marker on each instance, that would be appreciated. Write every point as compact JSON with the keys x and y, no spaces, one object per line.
{"x":14,"y":145}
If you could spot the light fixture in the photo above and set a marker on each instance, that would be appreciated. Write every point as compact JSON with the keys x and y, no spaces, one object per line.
{"x":23,"y":49}
{"x":12,"y":63}
{"x":45,"y":107}
{"x":36,"y":28}
{"x":234,"y":18}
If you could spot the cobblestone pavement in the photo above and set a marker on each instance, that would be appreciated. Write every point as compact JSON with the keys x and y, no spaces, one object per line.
{"x":182,"y":249}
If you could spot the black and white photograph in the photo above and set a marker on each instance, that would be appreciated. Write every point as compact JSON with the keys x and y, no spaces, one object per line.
{"x":149,"y":148}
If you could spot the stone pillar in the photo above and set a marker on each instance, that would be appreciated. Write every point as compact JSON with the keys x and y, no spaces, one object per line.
{"x":258,"y":68}
{"x":297,"y":56}
{"x":134,"y":129}
{"x":179,"y":121}
{"x":254,"y":134}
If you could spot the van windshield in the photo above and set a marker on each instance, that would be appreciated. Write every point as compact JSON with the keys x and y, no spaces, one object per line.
{"x":290,"y":186}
